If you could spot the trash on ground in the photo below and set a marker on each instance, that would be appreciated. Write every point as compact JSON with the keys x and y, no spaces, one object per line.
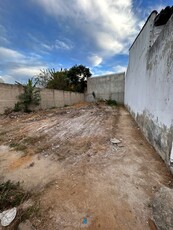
{"x":84,"y":220}
{"x":115,"y":141}
{"x":8,"y":216}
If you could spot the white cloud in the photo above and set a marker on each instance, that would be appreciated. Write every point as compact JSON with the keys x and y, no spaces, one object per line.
{"x":9,"y":54}
{"x":159,"y":7}
{"x":3,"y":35}
{"x":120,"y":68}
{"x":3,"y":40}
{"x":95,"y":60}
{"x":62,"y":45}
{"x":47,"y":47}
{"x":141,"y":23}
{"x":18,"y":66}
{"x":26,"y":71}
{"x":8,"y":79}
{"x":65,"y":44}
{"x":109,"y":24}
{"x":98,"y":72}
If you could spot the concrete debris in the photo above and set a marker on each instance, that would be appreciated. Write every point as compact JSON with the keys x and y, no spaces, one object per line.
{"x":115,"y":141}
{"x":163,"y":209}
{"x":26,"y":226}
{"x":8,"y":216}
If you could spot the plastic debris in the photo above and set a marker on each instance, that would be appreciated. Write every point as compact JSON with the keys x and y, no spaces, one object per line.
{"x":8,"y":216}
{"x":84,"y":220}
{"x":115,"y":141}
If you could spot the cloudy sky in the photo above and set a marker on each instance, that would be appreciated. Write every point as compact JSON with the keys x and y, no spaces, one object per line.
{"x":40,"y":34}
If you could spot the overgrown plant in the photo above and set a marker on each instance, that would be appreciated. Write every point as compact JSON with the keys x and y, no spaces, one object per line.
{"x":111,"y":102}
{"x":29,"y":98}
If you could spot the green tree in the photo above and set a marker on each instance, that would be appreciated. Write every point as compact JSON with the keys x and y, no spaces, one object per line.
{"x":59,"y":80}
{"x":78,"y":76}
{"x":30,"y":97}
{"x":74,"y":79}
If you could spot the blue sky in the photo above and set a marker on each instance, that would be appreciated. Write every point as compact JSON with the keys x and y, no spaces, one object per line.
{"x":41,"y":34}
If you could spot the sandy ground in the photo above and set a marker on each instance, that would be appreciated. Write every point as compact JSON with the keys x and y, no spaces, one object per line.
{"x":81,"y":179}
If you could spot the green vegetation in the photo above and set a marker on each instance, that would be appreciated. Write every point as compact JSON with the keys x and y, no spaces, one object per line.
{"x":111,"y":102}
{"x":33,"y":211}
{"x":29,"y":98}
{"x":11,"y":195}
{"x":18,"y":146}
{"x":74,"y":79}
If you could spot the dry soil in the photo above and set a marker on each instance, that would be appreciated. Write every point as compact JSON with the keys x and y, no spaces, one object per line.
{"x":81,"y":179}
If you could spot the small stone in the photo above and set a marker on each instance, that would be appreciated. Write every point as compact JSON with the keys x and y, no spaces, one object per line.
{"x":26,"y":226}
{"x":57,"y":187}
{"x":115,"y":141}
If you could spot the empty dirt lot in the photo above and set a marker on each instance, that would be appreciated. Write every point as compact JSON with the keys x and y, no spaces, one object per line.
{"x":79,"y":178}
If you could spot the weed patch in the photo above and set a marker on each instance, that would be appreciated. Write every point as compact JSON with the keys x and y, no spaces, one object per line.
{"x":11,"y":195}
{"x":32,"y":140}
{"x":111,"y":102}
{"x":18,"y":146}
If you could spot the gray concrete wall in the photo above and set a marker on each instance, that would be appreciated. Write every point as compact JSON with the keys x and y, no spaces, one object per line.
{"x":49,"y":98}
{"x":149,"y":86}
{"x":106,"y":87}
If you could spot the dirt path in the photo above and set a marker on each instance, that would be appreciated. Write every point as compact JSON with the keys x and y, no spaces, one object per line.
{"x":83,"y":180}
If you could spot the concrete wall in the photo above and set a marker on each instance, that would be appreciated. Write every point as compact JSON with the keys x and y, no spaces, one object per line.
{"x":49,"y":98}
{"x":106,"y":87}
{"x":149,"y":85}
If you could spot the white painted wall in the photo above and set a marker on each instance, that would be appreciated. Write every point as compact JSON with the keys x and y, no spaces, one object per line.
{"x":136,"y":82}
{"x":149,"y":84}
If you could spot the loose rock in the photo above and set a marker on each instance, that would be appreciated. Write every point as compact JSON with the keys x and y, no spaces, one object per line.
{"x":26,"y":226}
{"x":115,"y":141}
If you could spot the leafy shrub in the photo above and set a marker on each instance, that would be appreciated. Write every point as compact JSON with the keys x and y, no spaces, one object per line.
{"x":30,"y":97}
{"x":17,"y":107}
